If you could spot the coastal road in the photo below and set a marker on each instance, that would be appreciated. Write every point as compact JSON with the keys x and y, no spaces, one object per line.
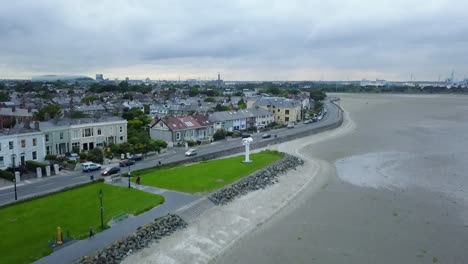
{"x":49,"y":184}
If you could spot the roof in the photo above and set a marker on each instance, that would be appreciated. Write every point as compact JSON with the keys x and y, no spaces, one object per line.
{"x":176,"y":123}
{"x":65,"y":122}
{"x":240,"y":114}
{"x":277,"y":102}
{"x":8,"y":111}
{"x":17,"y":130}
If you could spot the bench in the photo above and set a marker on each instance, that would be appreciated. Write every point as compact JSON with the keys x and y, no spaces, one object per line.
{"x":115,"y":177}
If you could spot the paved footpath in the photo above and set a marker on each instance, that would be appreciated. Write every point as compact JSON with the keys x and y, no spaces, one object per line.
{"x":174,"y":200}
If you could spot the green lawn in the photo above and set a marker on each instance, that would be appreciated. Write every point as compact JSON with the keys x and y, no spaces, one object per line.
{"x":205,"y":176}
{"x":27,"y":227}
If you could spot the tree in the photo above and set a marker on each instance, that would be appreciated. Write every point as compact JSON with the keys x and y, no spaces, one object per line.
{"x":241,"y":104}
{"x":193,"y":92}
{"x":77,"y":114}
{"x":49,"y":111}
{"x":317,"y":95}
{"x":219,"y":134}
{"x":209,"y":100}
{"x":4,"y":97}
{"x":95,"y":155}
{"x":220,"y":107}
{"x":89,"y":99}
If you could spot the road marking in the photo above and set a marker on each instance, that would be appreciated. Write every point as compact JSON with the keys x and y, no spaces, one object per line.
{"x":6,"y":194}
{"x":39,"y":186}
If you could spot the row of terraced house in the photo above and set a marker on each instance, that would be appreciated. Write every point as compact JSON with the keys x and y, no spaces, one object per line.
{"x":261,"y":112}
{"x":33,"y":140}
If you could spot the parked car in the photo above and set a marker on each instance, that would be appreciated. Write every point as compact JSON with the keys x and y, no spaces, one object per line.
{"x":126,"y":162}
{"x":291,"y":125}
{"x":307,"y":121}
{"x":245,"y":135}
{"x":110,"y":170}
{"x":90,"y":166}
{"x":72,"y":156}
{"x":266,"y":135}
{"x":136,"y":157}
{"x":191,"y":152}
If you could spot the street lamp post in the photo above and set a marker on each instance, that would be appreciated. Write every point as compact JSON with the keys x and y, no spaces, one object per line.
{"x":129,"y":176}
{"x":102,"y":209}
{"x":14,"y":174}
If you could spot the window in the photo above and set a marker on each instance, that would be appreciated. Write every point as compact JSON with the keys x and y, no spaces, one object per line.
{"x":76,"y":145}
{"x":34,"y":142}
{"x":278,"y":110}
{"x":48,"y":150}
{"x":286,"y":119}
{"x":121,"y":129}
{"x":10,"y":145}
{"x":87,"y":132}
{"x":23,"y":143}
{"x":2,"y":163}
{"x":111,"y":130}
{"x":287,"y":112}
{"x":34,"y":155}
{"x":46,"y":137}
{"x":61,"y":135}
{"x":100,"y":145}
{"x":99,"y":131}
{"x":76,"y":134}
{"x":178,"y":136}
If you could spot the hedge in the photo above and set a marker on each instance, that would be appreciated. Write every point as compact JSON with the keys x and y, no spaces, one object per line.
{"x":7,"y":175}
{"x":31,"y":165}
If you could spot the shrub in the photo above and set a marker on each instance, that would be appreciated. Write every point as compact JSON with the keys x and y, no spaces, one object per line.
{"x":219,"y":134}
{"x":51,"y":157}
{"x":7,"y":175}
{"x":31,"y":165}
{"x":82,"y":155}
{"x":191,"y":143}
{"x":236,"y":134}
{"x":229,"y":133}
{"x":95,"y":155}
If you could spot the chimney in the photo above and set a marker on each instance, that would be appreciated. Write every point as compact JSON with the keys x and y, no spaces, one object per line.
{"x":36,"y":125}
{"x":13,"y":108}
{"x":27,"y":124}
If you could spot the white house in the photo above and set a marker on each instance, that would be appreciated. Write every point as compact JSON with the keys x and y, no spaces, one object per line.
{"x":64,"y":135}
{"x":242,"y":119}
{"x":17,"y":145}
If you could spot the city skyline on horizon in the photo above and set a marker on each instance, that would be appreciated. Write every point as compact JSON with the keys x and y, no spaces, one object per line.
{"x":252,"y":41}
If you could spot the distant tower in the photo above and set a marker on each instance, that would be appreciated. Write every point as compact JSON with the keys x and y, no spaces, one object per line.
{"x":219,"y":80}
{"x":99,"y":77}
{"x":126,"y":79}
{"x":452,"y":76}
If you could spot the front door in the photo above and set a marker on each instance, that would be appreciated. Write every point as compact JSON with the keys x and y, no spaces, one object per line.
{"x":22,"y":160}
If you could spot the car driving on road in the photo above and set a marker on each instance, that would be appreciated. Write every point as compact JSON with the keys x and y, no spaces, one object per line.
{"x":191,"y":152}
{"x":266,"y":135}
{"x":110,"y":170}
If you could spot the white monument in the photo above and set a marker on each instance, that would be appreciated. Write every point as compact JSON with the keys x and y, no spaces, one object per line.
{"x":246,"y":142}
{"x":39,"y":172}
{"x":47,"y":169}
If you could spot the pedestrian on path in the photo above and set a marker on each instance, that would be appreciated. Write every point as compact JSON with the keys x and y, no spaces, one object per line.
{"x":91,"y":232}
{"x":138,"y":180}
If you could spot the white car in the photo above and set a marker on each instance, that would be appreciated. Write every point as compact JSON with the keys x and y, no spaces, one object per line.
{"x":90,"y":166}
{"x":191,"y":152}
{"x":291,"y":125}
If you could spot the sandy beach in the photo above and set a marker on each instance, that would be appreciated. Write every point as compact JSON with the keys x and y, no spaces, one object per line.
{"x":388,"y":186}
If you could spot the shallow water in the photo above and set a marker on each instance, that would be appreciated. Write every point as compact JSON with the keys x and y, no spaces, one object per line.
{"x":397,"y":190}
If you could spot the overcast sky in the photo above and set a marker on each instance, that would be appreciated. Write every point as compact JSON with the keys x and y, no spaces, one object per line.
{"x":241,"y":39}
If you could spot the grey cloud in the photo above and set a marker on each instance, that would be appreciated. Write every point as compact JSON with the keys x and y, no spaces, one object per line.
{"x":427,"y":37}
